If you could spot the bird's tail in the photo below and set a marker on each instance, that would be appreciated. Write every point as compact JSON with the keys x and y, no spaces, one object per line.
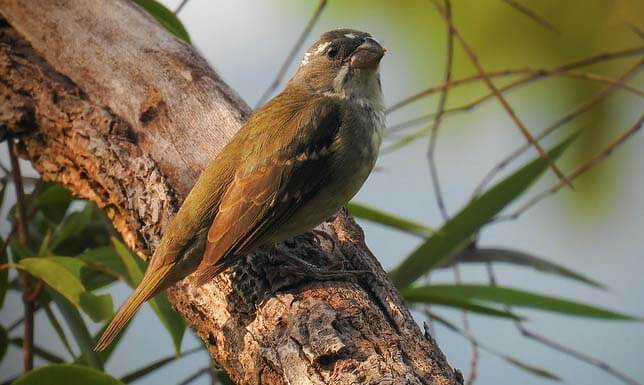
{"x":152,"y":282}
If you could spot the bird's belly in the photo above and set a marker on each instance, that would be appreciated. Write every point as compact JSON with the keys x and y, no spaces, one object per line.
{"x":334,"y":194}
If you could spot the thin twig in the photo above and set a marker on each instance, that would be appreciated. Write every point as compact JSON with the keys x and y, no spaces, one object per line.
{"x":531,"y":14}
{"x":180,"y":7}
{"x":560,"y":347}
{"x":289,"y":58}
{"x":524,"y":130}
{"x":23,"y":236}
{"x":433,"y":138}
{"x":468,"y":107}
{"x":474,"y":359}
{"x":531,"y":75}
{"x":574,"y":113}
{"x":605,"y":153}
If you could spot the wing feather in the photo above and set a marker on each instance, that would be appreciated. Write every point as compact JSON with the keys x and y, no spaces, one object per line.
{"x":258,"y":199}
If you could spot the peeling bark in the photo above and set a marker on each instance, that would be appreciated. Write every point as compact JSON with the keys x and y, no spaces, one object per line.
{"x":106,"y":102}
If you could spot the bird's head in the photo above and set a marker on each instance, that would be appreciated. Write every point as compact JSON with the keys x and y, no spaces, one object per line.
{"x":343,"y":63}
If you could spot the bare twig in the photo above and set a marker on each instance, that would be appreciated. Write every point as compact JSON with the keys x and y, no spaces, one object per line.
{"x":471,"y":377}
{"x":531,"y":14}
{"x":289,"y":58}
{"x":23,"y":236}
{"x":180,"y":7}
{"x":560,"y":347}
{"x":574,"y":113}
{"x":433,"y":138}
{"x":434,"y":172}
{"x":605,"y":153}
{"x":524,"y":130}
{"x":531,"y":75}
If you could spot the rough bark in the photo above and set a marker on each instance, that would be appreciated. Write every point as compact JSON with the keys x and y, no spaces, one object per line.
{"x":105,"y":101}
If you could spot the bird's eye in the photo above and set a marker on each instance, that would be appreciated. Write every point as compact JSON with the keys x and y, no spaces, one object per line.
{"x":332,"y":52}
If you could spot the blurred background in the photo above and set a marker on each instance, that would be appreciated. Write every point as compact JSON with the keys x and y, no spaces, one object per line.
{"x":595,"y":229}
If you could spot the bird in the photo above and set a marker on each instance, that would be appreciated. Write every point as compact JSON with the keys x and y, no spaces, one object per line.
{"x":294,"y":163}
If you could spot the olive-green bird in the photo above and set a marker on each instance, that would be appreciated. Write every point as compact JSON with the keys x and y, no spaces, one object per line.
{"x":295,"y":162}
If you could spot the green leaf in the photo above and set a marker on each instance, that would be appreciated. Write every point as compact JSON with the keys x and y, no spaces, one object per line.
{"x":19,"y":251}
{"x":371,"y":214}
{"x":53,"y":200}
{"x":166,"y":18}
{"x":3,"y":188}
{"x":457,"y":231}
{"x":510,"y":297}
{"x":223,"y":378}
{"x":72,"y":224}
{"x":66,"y":374}
{"x":168,"y":317}
{"x":106,"y":259}
{"x":38,"y":351}
{"x":464,"y":305}
{"x":515,"y":257}
{"x":78,"y":329}
{"x":4,"y":272}
{"x":57,"y":327}
{"x":105,"y":354}
{"x":142,"y":372}
{"x":539,"y":372}
{"x":4,"y":342}
{"x":63,"y":274}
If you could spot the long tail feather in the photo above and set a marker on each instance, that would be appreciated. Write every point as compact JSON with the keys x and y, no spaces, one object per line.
{"x":149,"y":286}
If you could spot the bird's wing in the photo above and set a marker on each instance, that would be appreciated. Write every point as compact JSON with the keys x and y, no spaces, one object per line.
{"x":265,"y":193}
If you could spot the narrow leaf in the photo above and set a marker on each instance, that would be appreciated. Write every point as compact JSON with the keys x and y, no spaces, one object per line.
{"x":4,"y":273}
{"x":457,"y":231}
{"x":511,"y":297}
{"x":4,"y":342}
{"x":78,"y":329}
{"x":106,"y":259}
{"x":38,"y":351}
{"x":66,"y":374}
{"x":371,"y":214}
{"x":74,"y":223}
{"x":63,"y":274}
{"x":464,"y":305}
{"x":515,"y":257}
{"x":142,"y":372}
{"x":53,"y":200}
{"x":57,"y":327}
{"x":166,"y":18}
{"x":536,"y":371}
{"x":168,"y":317}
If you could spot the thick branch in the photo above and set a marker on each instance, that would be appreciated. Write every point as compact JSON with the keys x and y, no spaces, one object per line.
{"x":106,"y":102}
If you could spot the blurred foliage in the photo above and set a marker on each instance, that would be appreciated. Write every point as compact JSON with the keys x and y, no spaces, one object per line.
{"x":503,"y":38}
{"x":74,"y":251}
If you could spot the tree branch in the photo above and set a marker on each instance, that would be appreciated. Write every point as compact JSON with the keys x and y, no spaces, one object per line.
{"x":118,"y":110}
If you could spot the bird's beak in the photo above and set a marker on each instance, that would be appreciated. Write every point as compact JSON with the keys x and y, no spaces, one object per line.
{"x":367,"y":55}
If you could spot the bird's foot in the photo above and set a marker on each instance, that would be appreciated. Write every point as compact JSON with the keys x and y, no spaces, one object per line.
{"x":304,"y":268}
{"x":316,"y":236}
